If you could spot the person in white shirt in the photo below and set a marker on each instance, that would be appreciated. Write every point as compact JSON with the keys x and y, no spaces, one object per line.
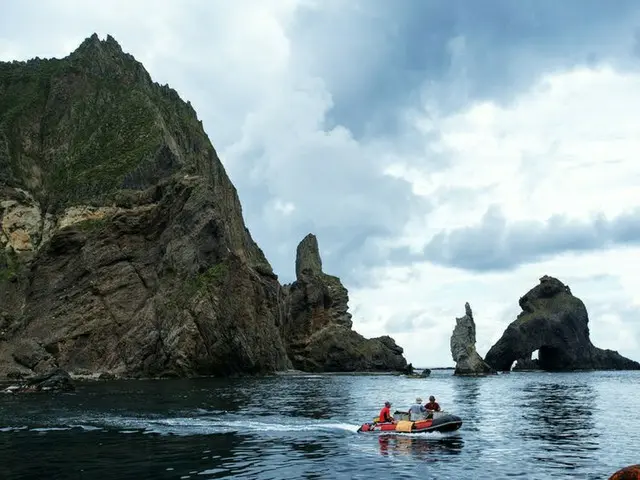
{"x":417,"y":410}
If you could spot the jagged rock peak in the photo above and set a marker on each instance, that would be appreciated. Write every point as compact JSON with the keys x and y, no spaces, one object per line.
{"x":105,"y":58}
{"x":102,"y":172}
{"x":94,"y":42}
{"x":308,"y":261}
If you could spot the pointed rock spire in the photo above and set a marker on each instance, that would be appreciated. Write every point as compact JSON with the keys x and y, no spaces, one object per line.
{"x":308,"y":261}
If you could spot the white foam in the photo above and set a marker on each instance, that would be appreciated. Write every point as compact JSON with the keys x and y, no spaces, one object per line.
{"x":196,"y":425}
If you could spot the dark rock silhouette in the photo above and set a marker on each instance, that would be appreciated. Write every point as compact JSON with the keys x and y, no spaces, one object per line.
{"x":555,"y":323}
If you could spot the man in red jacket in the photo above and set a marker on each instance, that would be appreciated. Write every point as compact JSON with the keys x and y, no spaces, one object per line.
{"x":385,"y":413}
{"x":432,"y":405}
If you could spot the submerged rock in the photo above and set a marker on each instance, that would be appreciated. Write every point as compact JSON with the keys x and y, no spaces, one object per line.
{"x":555,"y":323}
{"x":463,"y":347}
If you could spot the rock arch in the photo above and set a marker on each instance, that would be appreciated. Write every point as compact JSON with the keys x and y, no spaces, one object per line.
{"x":555,"y":323}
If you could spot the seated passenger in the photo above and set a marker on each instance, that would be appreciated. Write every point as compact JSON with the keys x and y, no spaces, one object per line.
{"x":432,"y":405}
{"x":417,"y":410}
{"x":385,"y":413}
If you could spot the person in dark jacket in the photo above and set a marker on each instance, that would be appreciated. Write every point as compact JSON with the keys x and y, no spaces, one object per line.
{"x":432,"y":405}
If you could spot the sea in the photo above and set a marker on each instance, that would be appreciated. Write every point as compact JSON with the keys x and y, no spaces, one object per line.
{"x":529,"y":425}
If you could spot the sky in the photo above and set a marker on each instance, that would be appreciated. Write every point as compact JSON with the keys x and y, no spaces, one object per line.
{"x":442,"y":152}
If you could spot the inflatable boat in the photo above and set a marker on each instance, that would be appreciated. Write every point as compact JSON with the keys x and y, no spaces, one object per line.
{"x":435,"y":422}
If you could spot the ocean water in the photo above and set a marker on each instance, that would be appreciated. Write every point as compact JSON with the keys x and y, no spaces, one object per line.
{"x":520,"y":425}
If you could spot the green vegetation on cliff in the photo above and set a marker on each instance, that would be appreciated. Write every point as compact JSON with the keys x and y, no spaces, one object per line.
{"x":9,"y":266}
{"x":92,"y":127}
{"x":78,"y":128}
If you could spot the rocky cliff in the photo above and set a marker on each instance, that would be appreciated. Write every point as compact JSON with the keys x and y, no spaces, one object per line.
{"x":555,"y":323}
{"x":318,"y":324}
{"x":463,"y":347}
{"x":123,"y":247}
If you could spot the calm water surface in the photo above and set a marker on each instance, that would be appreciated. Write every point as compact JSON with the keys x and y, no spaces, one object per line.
{"x":521,"y":425}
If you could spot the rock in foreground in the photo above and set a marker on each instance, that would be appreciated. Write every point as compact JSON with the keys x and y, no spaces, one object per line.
{"x":463,"y":347}
{"x":555,"y":323}
{"x":632,"y":472}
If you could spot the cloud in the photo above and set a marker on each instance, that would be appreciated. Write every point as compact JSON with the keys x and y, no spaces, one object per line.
{"x":548,"y":173}
{"x":425,"y":143}
{"x":493,"y":244}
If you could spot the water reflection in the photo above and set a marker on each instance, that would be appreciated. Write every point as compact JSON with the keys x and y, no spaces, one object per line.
{"x":560,"y":418}
{"x":467,"y":396}
{"x":419,"y":447}
{"x":316,"y":398}
{"x":306,"y":396}
{"x":116,"y":456}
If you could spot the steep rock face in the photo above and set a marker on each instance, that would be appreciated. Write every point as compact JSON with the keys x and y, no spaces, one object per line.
{"x":318,"y":324}
{"x":123,"y":247}
{"x":556,"y":323}
{"x":463,"y":347}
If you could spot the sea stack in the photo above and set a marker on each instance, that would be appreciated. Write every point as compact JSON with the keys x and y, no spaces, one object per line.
{"x":463,"y":347}
{"x":318,"y":323}
{"x":556,"y":323}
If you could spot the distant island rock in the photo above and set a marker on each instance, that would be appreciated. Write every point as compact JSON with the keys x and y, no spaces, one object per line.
{"x":123,"y":248}
{"x":463,"y":347}
{"x":555,"y":323}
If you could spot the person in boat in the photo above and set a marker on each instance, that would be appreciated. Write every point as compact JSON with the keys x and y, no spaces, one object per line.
{"x":385,"y":413}
{"x":432,"y":405}
{"x":417,"y":410}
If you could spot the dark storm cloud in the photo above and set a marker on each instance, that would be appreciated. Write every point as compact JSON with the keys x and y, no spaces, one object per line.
{"x":395,"y":48}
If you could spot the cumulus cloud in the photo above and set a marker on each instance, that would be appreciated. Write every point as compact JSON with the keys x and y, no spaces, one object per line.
{"x":442,"y":152}
{"x":548,"y":173}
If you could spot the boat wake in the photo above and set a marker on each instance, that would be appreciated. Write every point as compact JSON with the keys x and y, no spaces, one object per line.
{"x":196,"y":425}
